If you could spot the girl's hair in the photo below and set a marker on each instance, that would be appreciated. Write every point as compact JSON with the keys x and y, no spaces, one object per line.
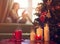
{"x":14,"y":5}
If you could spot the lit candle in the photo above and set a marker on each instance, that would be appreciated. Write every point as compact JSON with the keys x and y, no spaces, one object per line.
{"x":46,"y":32}
{"x":39,"y":33}
{"x":32,"y":35}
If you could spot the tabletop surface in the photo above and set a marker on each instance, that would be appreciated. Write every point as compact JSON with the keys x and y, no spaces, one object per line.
{"x":26,"y":41}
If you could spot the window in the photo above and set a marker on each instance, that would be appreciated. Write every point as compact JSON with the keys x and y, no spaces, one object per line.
{"x":28,"y":5}
{"x":23,"y":5}
{"x":35,"y":2}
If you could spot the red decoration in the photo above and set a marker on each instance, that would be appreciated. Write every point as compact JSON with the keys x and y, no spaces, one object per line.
{"x":42,"y":17}
{"x":38,"y":37}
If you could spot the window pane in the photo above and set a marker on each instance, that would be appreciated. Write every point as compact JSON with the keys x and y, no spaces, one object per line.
{"x":33,"y":16}
{"x":20,"y":12}
{"x":23,"y":3}
{"x":35,"y":2}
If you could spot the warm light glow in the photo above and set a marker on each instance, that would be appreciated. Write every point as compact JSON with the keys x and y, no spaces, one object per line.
{"x":20,"y":11}
{"x":35,"y":2}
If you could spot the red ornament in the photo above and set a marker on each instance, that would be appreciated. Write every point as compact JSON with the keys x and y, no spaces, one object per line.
{"x":42,"y":17}
{"x":38,"y":37}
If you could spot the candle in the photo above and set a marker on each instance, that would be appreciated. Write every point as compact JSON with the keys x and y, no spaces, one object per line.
{"x":39,"y":33}
{"x":46,"y":33}
{"x":32,"y":35}
{"x":18,"y":35}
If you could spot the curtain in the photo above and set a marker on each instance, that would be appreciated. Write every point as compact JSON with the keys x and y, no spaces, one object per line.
{"x":5,"y":7}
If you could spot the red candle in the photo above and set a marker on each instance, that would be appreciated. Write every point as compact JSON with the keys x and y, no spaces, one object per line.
{"x":18,"y":35}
